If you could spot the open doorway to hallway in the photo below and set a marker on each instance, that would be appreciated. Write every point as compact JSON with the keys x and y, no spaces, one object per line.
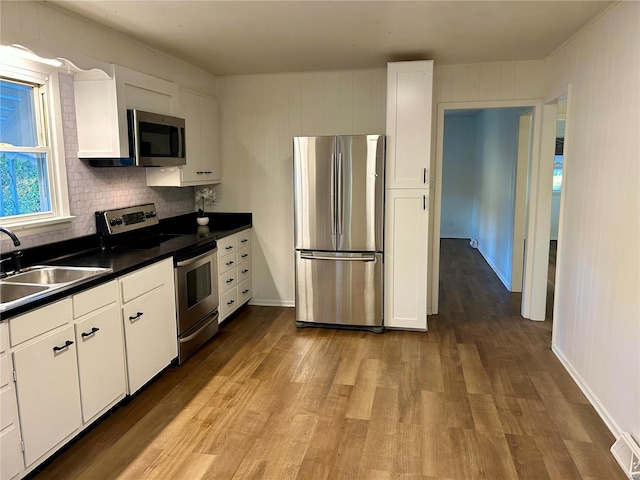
{"x":483,"y":195}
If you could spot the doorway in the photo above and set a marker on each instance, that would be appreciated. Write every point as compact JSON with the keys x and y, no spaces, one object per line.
{"x":484,"y":178}
{"x":535,"y":107}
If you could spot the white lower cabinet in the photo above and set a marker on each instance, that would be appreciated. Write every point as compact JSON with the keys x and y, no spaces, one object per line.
{"x":406,"y":237}
{"x":11,"y":461}
{"x":234,"y":272}
{"x":47,"y":389}
{"x":149,"y":318}
{"x":64,"y":365}
{"x":100,"y":348}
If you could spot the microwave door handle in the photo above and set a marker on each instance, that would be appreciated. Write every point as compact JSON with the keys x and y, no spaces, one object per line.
{"x":181,"y":153}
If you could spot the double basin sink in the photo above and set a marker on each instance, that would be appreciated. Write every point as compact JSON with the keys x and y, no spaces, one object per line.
{"x":31,"y":282}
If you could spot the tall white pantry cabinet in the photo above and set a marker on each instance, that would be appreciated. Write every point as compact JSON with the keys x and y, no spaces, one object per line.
{"x":409,"y":107}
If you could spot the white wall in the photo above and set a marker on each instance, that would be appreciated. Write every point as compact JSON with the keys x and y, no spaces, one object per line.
{"x":458,"y":175}
{"x":52,"y":33}
{"x":596,"y":316}
{"x":497,"y":139}
{"x":259,"y":116}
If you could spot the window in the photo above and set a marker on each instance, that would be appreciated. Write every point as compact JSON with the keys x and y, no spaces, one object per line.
{"x":23,"y":150}
{"x":34,"y":194}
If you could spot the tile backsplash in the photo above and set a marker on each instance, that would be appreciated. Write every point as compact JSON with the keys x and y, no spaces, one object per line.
{"x":92,"y":189}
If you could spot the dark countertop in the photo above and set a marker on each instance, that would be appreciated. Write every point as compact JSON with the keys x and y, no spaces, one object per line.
{"x":86,"y":252}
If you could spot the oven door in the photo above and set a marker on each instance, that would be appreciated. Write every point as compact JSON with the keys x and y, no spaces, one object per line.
{"x":196,"y":288}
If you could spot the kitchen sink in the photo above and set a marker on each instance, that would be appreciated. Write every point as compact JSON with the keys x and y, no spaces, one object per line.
{"x":54,"y":275}
{"x":10,"y":292}
{"x":22,"y":287}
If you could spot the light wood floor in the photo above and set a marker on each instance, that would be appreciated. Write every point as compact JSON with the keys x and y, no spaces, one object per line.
{"x":480,"y":396}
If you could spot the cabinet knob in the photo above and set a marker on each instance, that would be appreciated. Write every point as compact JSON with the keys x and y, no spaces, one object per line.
{"x":67,"y":344}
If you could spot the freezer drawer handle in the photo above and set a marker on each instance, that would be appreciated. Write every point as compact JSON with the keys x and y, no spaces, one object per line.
{"x":339,"y":259}
{"x":67,"y":344}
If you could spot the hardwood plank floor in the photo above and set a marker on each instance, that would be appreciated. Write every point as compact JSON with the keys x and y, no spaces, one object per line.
{"x":479,"y":396}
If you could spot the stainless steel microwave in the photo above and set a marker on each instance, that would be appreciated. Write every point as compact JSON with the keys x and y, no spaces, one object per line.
{"x":156,"y":140}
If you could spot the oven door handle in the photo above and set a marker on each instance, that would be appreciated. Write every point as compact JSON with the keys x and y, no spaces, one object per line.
{"x":189,"y":261}
{"x":214,"y":318}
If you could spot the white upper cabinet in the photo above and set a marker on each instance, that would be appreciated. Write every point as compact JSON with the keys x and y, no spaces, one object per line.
{"x":102,"y":101}
{"x":203,"y":145}
{"x":409,"y":100}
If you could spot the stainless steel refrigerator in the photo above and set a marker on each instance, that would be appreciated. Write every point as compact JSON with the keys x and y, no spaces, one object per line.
{"x":339,"y":220}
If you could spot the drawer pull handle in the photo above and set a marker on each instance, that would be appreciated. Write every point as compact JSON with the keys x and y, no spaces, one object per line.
{"x":88,"y":334}
{"x":244,"y":240}
{"x":228,"y":264}
{"x":229,"y":247}
{"x":244,"y":292}
{"x":67,"y":344}
{"x":231,"y":302}
{"x":136,"y":316}
{"x":230,"y":280}
{"x":246,"y":270}
{"x":206,"y":172}
{"x":245,"y":255}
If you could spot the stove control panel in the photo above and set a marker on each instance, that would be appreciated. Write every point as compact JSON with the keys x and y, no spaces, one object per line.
{"x":128,"y":219}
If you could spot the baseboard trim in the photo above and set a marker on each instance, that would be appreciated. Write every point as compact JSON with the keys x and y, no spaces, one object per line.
{"x":592,"y":397}
{"x":271,"y":303}
{"x":495,"y":270}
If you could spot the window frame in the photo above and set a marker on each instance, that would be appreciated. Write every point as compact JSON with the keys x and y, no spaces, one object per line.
{"x":50,"y":133}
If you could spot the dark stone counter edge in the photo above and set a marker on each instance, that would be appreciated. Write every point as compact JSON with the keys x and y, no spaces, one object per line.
{"x":85,"y":251}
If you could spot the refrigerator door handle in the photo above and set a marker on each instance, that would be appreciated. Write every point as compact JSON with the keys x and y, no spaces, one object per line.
{"x":339,"y":198}
{"x":333,"y":194}
{"x":364,"y":258}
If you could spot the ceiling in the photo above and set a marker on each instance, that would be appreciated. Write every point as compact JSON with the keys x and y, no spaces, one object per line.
{"x":241,"y":37}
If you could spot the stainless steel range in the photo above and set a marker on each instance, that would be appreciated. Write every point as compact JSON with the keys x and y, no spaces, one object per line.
{"x":195,"y":271}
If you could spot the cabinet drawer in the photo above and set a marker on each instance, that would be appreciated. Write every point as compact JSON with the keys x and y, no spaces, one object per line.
{"x":39,"y":321}
{"x":8,"y":408}
{"x":11,"y":453}
{"x":5,"y":370}
{"x":95,"y":298}
{"x":244,"y":291}
{"x":143,"y":281}
{"x":225,"y":263}
{"x":244,"y":238}
{"x":244,"y":255}
{"x":228,"y":302}
{"x":4,"y":336}
{"x":244,"y":271}
{"x":227,"y":245}
{"x":227,"y":280}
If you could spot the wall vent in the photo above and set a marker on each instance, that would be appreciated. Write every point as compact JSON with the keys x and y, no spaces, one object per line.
{"x":627,"y":452}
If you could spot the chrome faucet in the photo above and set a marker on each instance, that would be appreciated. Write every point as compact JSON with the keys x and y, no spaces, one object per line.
{"x":16,"y":255}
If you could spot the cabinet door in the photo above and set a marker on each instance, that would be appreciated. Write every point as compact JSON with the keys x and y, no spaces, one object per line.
{"x":11,"y":461}
{"x":100,"y":360}
{"x":190,"y":110}
{"x":407,"y":222}
{"x":150,"y":335}
{"x":203,"y":146}
{"x":48,"y":392}
{"x":210,"y":135}
{"x":409,"y":109}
